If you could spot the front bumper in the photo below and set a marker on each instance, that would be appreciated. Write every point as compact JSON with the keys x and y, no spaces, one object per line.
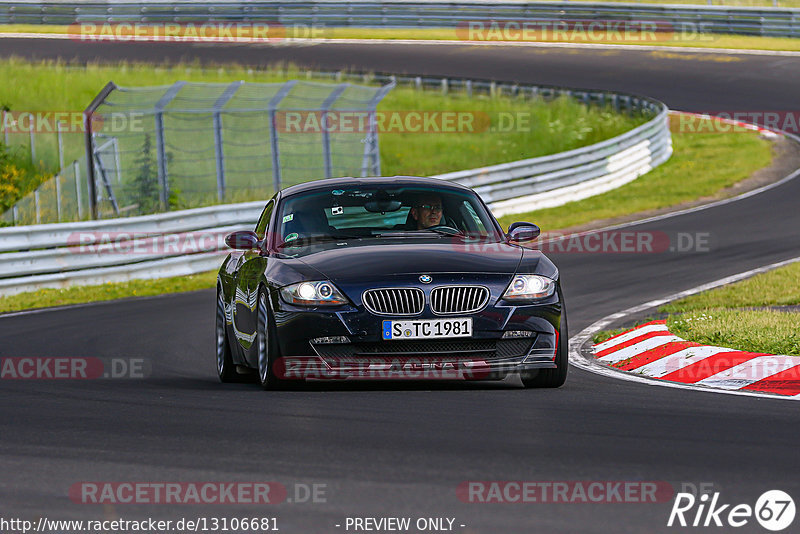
{"x":347,"y":343}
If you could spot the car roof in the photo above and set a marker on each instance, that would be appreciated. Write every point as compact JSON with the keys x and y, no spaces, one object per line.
{"x":393,"y":181}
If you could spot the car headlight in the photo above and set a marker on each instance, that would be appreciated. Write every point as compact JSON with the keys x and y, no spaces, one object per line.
{"x":322,"y":293}
{"x":529,"y":287}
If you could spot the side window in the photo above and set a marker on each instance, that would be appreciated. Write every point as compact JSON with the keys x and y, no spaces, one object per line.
{"x":263,"y":221}
{"x":472,"y":220}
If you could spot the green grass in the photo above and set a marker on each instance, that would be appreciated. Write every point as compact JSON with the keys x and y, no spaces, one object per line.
{"x":780,"y":287}
{"x":702,"y":165}
{"x":767,"y":331}
{"x":739,"y":42}
{"x":603,"y":335}
{"x":44,"y":298}
{"x":551,"y":127}
{"x":725,"y":316}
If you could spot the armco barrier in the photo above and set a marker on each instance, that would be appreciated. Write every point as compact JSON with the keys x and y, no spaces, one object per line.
{"x":778,"y":22}
{"x":55,"y":255}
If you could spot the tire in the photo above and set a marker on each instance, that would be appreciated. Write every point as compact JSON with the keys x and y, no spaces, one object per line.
{"x":552,"y":378}
{"x":267,"y":346}
{"x":225,"y":367}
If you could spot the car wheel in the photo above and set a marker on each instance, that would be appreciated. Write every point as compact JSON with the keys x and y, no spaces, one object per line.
{"x":267,"y":346}
{"x":552,"y":378}
{"x":225,"y":368}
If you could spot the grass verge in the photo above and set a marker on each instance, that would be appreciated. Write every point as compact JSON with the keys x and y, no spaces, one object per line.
{"x":45,"y":298}
{"x":733,"y":316}
{"x":604,"y":335}
{"x":767,"y":331}
{"x":677,"y":39}
{"x":780,"y":287}
{"x":726,"y":316}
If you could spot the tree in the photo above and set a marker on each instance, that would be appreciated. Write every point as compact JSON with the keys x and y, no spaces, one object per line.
{"x":145,"y":184}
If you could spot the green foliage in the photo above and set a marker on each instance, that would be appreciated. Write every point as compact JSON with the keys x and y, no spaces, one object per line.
{"x":145,"y":184}
{"x":780,"y":287}
{"x":109,"y":291}
{"x":764,"y":331}
{"x":604,"y":335}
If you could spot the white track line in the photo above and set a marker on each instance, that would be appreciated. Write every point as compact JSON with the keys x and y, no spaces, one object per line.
{"x":438,"y":42}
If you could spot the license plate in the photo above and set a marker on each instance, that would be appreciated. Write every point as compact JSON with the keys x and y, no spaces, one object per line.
{"x":427,"y":328}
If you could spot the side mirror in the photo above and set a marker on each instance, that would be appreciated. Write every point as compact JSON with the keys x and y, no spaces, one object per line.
{"x":520,"y":232}
{"x":242,"y":240}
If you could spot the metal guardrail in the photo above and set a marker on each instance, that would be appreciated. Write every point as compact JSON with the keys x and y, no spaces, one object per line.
{"x":782,"y":22}
{"x":54,"y":255}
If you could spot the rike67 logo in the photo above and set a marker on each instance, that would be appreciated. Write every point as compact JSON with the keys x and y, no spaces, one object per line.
{"x":774,"y":510}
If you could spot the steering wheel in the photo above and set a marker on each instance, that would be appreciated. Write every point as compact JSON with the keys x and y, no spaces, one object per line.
{"x":444,"y":228}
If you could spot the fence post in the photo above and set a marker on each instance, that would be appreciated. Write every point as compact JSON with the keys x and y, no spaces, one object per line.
{"x":36,"y":206}
{"x":273,"y":133}
{"x":33,"y":139}
{"x":218,"y":150}
{"x":469,"y":88}
{"x":58,"y":197}
{"x":89,"y":142}
{"x":326,"y":138}
{"x":371,"y":163}
{"x":444,"y":86}
{"x":76,"y":171}
{"x":5,"y":131}
{"x":161,"y":150}
{"x":60,"y":146}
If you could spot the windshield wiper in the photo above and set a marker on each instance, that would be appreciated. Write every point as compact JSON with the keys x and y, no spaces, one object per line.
{"x":445,"y":230}
{"x":410,"y":233}
{"x":425,"y":232}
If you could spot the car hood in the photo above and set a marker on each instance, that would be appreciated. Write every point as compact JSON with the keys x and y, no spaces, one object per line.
{"x":374,"y":260}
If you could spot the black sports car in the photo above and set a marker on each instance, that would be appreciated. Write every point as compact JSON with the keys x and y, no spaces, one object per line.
{"x":387,"y":278}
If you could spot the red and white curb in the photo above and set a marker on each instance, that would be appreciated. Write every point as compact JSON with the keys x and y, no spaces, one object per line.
{"x":652,"y":351}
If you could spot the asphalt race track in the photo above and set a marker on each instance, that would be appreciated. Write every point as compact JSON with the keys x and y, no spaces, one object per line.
{"x":402,"y":450}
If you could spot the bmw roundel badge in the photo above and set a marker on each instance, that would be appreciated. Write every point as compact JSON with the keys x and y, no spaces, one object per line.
{"x":425,"y":279}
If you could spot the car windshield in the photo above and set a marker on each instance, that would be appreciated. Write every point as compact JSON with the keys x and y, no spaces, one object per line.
{"x":347,"y":214}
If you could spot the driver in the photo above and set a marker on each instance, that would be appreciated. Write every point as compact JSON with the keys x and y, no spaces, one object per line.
{"x":427,"y":211}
